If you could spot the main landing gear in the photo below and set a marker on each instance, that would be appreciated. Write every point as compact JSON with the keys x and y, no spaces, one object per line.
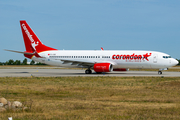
{"x":159,"y":72}
{"x":88,"y":71}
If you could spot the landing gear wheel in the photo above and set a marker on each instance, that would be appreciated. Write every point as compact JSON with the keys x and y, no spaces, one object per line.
{"x":159,"y":72}
{"x":88,"y":71}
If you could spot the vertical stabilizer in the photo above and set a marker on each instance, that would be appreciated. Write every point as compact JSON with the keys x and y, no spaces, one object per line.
{"x":31,"y":41}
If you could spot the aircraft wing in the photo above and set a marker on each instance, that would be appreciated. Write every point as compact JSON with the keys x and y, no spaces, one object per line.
{"x":78,"y":63}
{"x":83,"y":63}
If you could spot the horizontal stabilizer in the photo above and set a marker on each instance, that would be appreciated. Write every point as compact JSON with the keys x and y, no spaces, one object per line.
{"x":27,"y":53}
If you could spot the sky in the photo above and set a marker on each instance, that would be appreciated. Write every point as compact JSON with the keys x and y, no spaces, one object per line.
{"x":91,"y":24}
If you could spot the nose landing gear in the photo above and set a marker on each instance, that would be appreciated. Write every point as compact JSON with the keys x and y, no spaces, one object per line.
{"x":160,"y":70}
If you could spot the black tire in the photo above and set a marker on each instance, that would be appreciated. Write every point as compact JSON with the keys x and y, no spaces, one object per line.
{"x":88,"y":71}
{"x":159,"y":72}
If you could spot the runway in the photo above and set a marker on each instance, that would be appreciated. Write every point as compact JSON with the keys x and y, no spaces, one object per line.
{"x":71,"y":72}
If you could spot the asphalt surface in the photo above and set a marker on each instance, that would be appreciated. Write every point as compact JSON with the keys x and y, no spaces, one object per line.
{"x":71,"y":72}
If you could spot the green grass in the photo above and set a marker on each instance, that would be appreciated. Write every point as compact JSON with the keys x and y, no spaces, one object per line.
{"x":55,"y":98}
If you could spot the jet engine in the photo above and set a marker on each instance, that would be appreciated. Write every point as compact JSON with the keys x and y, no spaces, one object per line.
{"x":103,"y":67}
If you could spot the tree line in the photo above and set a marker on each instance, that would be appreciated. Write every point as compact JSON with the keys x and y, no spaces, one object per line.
{"x":24,"y":62}
{"x":18,"y":62}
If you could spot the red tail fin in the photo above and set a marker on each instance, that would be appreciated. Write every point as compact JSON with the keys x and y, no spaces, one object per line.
{"x":31,"y":41}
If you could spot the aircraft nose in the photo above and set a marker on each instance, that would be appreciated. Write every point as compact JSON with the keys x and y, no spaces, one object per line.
{"x":175,"y":62}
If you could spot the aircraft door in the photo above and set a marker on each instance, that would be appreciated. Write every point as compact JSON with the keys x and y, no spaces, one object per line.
{"x":155,"y":58}
{"x":101,"y":58}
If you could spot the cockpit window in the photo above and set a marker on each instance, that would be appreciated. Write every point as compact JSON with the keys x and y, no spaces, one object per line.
{"x":166,"y":57}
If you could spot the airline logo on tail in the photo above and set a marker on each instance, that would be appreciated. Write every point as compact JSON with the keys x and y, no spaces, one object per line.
{"x":33,"y":43}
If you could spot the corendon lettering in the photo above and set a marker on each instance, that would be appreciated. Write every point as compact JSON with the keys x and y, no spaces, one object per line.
{"x":33,"y":43}
{"x":132,"y":57}
{"x":27,"y":32}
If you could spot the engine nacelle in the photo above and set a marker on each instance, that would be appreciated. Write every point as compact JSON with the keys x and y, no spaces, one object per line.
{"x":121,"y":69}
{"x":103,"y":67}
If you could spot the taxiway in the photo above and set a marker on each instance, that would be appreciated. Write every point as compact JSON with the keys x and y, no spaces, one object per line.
{"x":72,"y":72}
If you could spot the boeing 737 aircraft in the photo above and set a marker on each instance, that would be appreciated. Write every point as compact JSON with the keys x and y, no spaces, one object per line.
{"x":98,"y":60}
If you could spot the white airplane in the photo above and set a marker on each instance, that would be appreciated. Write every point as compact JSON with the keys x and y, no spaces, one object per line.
{"x":99,"y":60}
